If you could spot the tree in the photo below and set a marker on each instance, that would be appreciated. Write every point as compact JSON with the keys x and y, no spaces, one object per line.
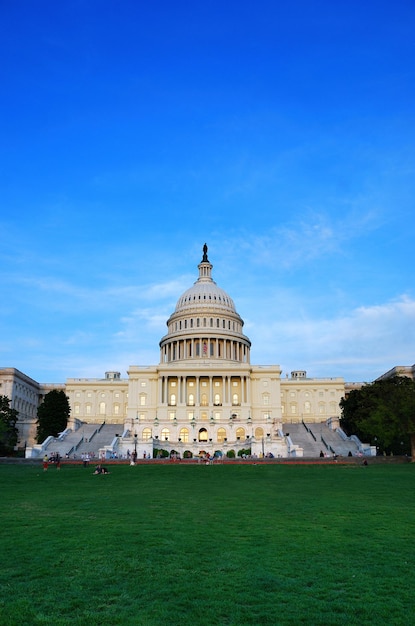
{"x":383,"y":412}
{"x":8,"y":428}
{"x":52,"y":415}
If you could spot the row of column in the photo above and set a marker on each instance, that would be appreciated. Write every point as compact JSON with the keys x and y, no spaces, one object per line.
{"x":225,"y":390}
{"x":177,"y":350}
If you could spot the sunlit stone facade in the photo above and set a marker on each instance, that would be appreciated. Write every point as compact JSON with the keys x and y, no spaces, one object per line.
{"x":204,"y":394}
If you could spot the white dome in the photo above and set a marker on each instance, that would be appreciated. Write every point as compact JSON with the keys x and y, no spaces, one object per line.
{"x":205,"y":293}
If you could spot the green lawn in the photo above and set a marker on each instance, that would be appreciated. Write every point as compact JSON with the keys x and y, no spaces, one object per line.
{"x":207,"y":545}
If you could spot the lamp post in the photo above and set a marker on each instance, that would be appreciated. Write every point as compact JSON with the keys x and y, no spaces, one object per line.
{"x":135,"y":445}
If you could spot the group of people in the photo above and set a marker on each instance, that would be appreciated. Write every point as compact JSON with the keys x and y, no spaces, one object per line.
{"x":54,"y":459}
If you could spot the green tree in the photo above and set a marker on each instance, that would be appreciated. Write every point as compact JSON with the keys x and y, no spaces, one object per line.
{"x":8,"y":428}
{"x":52,"y":415}
{"x":384,"y":413}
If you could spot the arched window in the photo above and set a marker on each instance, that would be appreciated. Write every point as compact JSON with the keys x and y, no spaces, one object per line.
{"x":165,"y":434}
{"x":172,"y":399}
{"x":102,"y":408}
{"x":235,"y":399}
{"x":146,"y":434}
{"x":204,"y":400}
{"x":191,"y":399}
{"x":184,"y":435}
{"x":203,"y":435}
{"x":221,"y":435}
{"x":240,"y":432}
{"x":307,"y":407}
{"x":217,"y":401}
{"x":259,"y":432}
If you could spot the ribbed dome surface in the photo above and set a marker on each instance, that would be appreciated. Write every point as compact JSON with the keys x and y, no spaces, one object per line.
{"x":205,"y":292}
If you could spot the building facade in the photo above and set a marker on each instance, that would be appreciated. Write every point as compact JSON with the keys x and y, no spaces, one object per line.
{"x":204,"y":395}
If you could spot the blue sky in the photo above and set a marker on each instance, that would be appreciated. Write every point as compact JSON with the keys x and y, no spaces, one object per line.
{"x":282,"y":134}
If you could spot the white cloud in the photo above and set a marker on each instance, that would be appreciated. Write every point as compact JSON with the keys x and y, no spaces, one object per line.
{"x":369,"y":340}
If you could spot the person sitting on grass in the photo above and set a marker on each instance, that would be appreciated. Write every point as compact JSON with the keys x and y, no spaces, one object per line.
{"x":101,"y":470}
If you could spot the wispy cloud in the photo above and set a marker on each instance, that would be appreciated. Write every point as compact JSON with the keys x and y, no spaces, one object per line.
{"x":366,"y":341}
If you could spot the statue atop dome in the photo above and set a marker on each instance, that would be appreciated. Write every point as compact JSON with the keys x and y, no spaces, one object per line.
{"x":205,"y":257}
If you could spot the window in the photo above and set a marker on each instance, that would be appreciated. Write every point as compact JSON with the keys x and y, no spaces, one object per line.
{"x":165,"y":434}
{"x":172,"y":415}
{"x":102,"y":408}
{"x":191,"y":415}
{"x":235,"y":399}
{"x":116,"y":409}
{"x":265,"y":399}
{"x":142,"y":399}
{"x":88,"y":409}
{"x":146,"y":434}
{"x":259,"y":432}
{"x":184,"y":435}
{"x":307,"y":407}
{"x":204,"y":401}
{"x":221,"y":435}
{"x":217,"y":401}
{"x":191,"y":400}
{"x":240,"y":432}
{"x":172,"y":399}
{"x":203,"y":435}
{"x":76,"y":407}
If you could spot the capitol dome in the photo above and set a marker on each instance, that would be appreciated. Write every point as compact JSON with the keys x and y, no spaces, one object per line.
{"x":205,"y":323}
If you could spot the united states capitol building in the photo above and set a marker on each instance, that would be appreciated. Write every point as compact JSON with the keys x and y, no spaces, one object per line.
{"x":204,"y":395}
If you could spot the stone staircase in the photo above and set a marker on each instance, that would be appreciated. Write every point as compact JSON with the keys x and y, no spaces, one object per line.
{"x":318,"y":437}
{"x":88,"y":438}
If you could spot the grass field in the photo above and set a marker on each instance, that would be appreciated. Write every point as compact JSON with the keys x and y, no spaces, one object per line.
{"x":207,"y":545}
